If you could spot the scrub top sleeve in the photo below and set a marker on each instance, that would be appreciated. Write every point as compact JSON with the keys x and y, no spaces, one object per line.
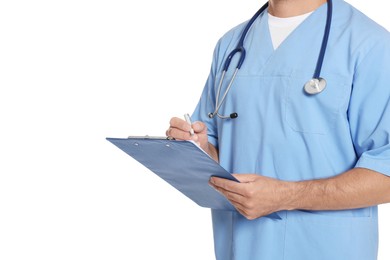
{"x":369,"y":109}
{"x":206,"y":103}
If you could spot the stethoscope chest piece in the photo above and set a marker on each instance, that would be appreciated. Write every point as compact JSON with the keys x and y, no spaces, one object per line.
{"x":315,"y":86}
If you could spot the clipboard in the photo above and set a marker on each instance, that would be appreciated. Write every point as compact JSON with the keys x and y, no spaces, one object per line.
{"x":182,"y":164}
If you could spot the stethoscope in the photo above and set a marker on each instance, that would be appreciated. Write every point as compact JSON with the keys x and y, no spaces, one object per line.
{"x":313,"y":86}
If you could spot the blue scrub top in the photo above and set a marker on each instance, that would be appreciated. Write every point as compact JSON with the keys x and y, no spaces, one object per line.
{"x":283,"y":133}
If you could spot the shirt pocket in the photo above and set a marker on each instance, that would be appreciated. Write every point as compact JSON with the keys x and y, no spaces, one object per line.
{"x":330,"y":236}
{"x":315,"y":114}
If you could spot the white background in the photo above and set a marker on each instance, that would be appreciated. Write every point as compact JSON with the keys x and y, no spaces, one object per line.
{"x":74,"y":72}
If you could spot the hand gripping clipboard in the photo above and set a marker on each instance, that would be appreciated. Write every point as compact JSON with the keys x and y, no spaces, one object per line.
{"x":182,"y":164}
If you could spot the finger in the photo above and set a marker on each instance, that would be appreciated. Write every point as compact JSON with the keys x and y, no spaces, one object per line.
{"x":199,"y":127}
{"x":239,"y":204}
{"x":236,"y":202}
{"x":179,"y":123}
{"x":228,"y":185}
{"x":242,"y":210}
{"x":227,"y":193}
{"x":179,"y":134}
{"x":231,"y":196}
{"x":234,"y":198}
{"x":167,"y":133}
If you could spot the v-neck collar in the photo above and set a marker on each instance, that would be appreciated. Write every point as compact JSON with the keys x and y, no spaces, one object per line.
{"x":281,"y":28}
{"x":297,"y":31}
{"x":307,"y":35}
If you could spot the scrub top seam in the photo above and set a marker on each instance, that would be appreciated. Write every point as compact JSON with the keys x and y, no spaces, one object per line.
{"x":284,"y":238}
{"x":366,"y":56}
{"x":233,"y":236}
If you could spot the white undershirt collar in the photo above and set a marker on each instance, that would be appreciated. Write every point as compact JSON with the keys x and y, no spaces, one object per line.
{"x":280,"y":28}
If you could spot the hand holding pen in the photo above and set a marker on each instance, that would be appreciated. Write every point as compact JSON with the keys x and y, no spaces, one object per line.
{"x":186,"y":130}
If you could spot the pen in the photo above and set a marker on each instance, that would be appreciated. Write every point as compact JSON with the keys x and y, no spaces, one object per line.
{"x":188,"y":120}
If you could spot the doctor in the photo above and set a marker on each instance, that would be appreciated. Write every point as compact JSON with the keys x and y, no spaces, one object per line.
{"x":320,"y":160}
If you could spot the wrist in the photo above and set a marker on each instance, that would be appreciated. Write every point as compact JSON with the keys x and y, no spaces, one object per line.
{"x":294,"y":193}
{"x":212,"y":151}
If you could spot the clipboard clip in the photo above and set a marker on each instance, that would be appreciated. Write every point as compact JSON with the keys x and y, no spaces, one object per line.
{"x":151,"y":137}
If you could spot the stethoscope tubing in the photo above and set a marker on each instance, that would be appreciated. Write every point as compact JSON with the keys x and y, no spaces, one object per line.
{"x":317,"y":82}
{"x":324,"y":44}
{"x":225,"y":94}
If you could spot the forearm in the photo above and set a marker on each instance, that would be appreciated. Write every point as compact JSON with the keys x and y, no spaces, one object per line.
{"x":356,"y":188}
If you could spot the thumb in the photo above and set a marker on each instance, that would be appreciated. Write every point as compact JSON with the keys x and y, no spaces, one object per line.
{"x":245,"y":177}
{"x":199,"y":127}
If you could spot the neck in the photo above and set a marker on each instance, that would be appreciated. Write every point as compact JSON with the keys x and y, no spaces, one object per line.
{"x":289,"y":8}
